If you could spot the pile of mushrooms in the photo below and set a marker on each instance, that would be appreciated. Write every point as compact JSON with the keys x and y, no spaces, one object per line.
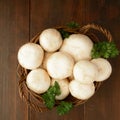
{"x":66,"y":61}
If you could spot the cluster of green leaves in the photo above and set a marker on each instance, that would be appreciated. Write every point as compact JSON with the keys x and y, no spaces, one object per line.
{"x":71,"y":25}
{"x":49,"y":99}
{"x":64,"y":33}
{"x":104,"y":49}
{"x":49,"y":96}
{"x":64,"y":107}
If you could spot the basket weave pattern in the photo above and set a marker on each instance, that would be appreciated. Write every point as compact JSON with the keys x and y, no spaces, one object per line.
{"x":35,"y":100}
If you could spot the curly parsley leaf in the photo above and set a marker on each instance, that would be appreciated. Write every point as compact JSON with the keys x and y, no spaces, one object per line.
{"x":64,"y":33}
{"x":104,"y":49}
{"x":54,"y":89}
{"x":49,"y":96}
{"x":73,"y":25}
{"x":49,"y":100}
{"x":64,"y":107}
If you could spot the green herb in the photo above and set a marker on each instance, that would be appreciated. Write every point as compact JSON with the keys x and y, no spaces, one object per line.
{"x":104,"y":49}
{"x":64,"y":34}
{"x":49,"y":99}
{"x":49,"y":96}
{"x":64,"y":107}
{"x":73,"y":25}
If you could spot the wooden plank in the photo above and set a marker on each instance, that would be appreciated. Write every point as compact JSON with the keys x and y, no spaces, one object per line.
{"x":45,"y":14}
{"x":14,"y":31}
{"x":105,"y":105}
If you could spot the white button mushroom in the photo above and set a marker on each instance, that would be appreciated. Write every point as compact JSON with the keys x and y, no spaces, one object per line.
{"x":104,"y":67}
{"x":80,"y":90}
{"x":46,"y":56}
{"x":79,"y":46}
{"x":50,"y":39}
{"x":85,"y":71}
{"x":38,"y":81}
{"x":30,"y":56}
{"x":64,"y":88}
{"x":60,"y":65}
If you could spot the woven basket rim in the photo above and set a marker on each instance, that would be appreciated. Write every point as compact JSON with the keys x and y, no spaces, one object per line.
{"x":24,"y":91}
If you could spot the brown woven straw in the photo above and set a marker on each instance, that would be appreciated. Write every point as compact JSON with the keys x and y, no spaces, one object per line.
{"x":35,"y":100}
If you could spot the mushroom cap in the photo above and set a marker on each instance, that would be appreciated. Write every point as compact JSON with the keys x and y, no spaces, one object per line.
{"x":80,"y":90}
{"x":85,"y":71}
{"x":50,"y":39}
{"x":104,"y":69}
{"x":46,"y":56}
{"x":79,"y":46}
{"x":30,"y":55}
{"x":64,"y":88}
{"x":60,"y":65}
{"x":38,"y":81}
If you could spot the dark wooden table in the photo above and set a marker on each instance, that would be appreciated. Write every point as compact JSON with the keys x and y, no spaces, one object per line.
{"x":20,"y":20}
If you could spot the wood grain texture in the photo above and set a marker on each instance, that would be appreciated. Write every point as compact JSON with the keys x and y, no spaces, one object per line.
{"x":46,"y":14}
{"x":20,"y":20}
{"x":14,"y":31}
{"x":105,"y":105}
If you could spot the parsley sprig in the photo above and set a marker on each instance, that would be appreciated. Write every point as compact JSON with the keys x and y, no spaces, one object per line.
{"x":104,"y":49}
{"x":64,"y":33}
{"x":72,"y":25}
{"x":49,"y":96}
{"x":64,"y":107}
{"x":49,"y":99}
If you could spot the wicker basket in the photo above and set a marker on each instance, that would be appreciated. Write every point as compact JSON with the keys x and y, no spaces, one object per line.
{"x":35,"y":100}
